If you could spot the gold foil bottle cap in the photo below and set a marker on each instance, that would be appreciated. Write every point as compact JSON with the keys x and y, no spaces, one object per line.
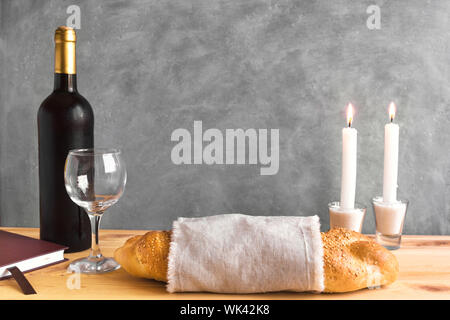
{"x":65,"y":41}
{"x":65,"y":34}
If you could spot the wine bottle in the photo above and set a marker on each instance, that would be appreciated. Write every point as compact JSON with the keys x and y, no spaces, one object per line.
{"x":65,"y":122}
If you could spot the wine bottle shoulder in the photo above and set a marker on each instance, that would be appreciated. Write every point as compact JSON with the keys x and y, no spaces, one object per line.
{"x":66,"y":106}
{"x":64,"y":102}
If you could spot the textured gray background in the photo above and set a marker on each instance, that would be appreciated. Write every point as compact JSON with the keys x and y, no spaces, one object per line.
{"x":149,"y":67}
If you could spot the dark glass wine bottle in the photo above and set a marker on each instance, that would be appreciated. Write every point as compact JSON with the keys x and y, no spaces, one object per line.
{"x":65,"y":122}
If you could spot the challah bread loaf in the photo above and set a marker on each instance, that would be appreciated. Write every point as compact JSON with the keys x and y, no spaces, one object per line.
{"x":146,"y":256}
{"x":352,"y":261}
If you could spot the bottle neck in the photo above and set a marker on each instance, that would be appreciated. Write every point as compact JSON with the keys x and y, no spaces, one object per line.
{"x":65,"y":82}
{"x":65,"y":60}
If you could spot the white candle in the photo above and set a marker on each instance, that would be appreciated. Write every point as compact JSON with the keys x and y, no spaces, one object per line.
{"x":391,"y":135}
{"x":348,"y":179}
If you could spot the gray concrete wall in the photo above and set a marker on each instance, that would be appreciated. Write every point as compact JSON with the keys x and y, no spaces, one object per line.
{"x":149,"y":67}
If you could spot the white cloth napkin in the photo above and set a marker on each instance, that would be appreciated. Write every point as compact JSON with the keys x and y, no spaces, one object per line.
{"x":236,"y":253}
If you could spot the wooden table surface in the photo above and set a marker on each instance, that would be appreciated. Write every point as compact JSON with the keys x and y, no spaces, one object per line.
{"x":424,"y":274}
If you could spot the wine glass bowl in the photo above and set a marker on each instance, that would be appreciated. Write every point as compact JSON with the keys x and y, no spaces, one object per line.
{"x":95,"y":180}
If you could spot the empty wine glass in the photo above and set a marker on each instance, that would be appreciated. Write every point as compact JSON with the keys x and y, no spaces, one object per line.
{"x":95,"y":180}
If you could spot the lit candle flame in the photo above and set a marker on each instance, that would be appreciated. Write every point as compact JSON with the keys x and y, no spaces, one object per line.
{"x":349,"y":114}
{"x":392,"y":111}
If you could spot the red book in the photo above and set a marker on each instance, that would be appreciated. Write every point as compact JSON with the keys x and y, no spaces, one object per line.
{"x":27,"y":253}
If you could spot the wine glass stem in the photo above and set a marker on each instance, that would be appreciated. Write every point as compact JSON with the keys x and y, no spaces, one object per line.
{"x":95,"y":225}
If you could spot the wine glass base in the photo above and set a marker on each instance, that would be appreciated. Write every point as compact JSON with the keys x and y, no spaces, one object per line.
{"x":93,"y":266}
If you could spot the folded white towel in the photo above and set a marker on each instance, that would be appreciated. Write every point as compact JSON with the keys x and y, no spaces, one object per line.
{"x":235,"y":253}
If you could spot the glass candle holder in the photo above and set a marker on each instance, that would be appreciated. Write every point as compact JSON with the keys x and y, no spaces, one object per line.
{"x":389,"y":220}
{"x":346,"y":218}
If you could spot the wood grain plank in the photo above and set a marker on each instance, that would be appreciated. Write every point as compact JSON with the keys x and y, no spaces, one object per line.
{"x":424,"y":274}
